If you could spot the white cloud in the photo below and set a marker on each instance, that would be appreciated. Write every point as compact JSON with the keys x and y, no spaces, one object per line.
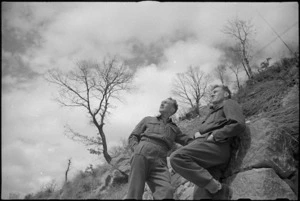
{"x":191,"y":53}
{"x":154,"y":86}
{"x":32,"y":128}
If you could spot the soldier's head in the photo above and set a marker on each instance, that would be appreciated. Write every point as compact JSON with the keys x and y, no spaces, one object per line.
{"x":168,"y":107}
{"x":219,"y":94}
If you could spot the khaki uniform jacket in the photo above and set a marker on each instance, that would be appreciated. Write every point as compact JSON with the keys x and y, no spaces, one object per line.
{"x":155,"y":129}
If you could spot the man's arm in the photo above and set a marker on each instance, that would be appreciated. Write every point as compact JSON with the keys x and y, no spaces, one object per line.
{"x":135,"y":135}
{"x":181,"y":138}
{"x":235,"y":121}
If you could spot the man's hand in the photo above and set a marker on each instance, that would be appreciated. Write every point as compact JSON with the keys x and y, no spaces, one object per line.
{"x":210,"y":138}
{"x":197,"y":134}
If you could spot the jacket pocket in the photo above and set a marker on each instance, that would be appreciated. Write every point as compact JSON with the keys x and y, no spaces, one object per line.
{"x":154,"y":127}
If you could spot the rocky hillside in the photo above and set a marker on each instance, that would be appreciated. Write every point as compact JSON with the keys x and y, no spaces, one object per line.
{"x":265,"y":165}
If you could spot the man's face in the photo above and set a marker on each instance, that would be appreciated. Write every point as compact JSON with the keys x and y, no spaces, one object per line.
{"x":218,"y":95}
{"x":167,"y":107}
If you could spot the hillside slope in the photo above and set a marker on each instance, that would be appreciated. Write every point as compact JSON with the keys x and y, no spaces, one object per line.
{"x":265,"y":166}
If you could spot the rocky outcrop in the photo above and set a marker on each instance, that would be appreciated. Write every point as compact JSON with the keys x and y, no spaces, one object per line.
{"x":262,"y":167}
{"x":260,"y":184}
{"x":260,"y":149}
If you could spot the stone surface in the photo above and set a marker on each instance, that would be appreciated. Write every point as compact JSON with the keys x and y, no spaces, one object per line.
{"x":259,"y":184}
{"x":147,"y":193}
{"x":260,"y":149}
{"x":184,"y":192}
{"x":177,"y":180}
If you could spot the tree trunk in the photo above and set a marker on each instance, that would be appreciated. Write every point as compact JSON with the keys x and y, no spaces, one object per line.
{"x":197,"y":107}
{"x":106,"y":155}
{"x":245,"y":68}
{"x":245,"y":59}
{"x":67,"y":171}
{"x":249,"y":68}
{"x":104,"y":144}
{"x":237,"y":81}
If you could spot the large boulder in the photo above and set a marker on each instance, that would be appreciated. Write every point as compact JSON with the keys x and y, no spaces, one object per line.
{"x":259,"y":184}
{"x":259,"y":148}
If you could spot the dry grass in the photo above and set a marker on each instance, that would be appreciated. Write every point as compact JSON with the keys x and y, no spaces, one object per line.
{"x":286,"y":125}
{"x":262,"y":97}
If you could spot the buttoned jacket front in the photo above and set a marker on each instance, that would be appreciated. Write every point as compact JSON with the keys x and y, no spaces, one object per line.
{"x":154,"y":128}
{"x":224,"y":121}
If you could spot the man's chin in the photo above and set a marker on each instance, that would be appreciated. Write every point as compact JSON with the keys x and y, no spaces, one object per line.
{"x":161,"y":111}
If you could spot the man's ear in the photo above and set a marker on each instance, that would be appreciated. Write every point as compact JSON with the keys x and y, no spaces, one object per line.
{"x":226,"y":94}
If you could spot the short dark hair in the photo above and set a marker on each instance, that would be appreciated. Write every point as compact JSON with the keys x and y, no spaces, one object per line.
{"x":175,"y":105}
{"x":224,"y":88}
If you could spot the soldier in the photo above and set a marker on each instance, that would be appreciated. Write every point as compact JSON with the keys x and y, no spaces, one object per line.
{"x":212,"y":147}
{"x":151,"y":140}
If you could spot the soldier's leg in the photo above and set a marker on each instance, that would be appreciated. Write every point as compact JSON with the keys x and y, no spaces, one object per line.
{"x":159,"y":181}
{"x":138,"y":173}
{"x":200,"y":192}
{"x":193,"y":160}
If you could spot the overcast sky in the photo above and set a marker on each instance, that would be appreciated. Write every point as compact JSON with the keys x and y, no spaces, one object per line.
{"x":157,"y":39}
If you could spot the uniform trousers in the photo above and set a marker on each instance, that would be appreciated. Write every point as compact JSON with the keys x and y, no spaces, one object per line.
{"x":149,"y":164}
{"x":199,"y":162}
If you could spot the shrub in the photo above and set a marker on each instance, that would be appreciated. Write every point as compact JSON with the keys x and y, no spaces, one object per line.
{"x":262,"y":97}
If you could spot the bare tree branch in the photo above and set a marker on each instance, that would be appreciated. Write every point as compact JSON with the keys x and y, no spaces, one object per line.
{"x":190,"y":87}
{"x":92,"y":86}
{"x":241,"y":30}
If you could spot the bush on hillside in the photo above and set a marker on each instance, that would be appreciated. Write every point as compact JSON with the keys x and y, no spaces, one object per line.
{"x":47,"y":191}
{"x":264,"y":92}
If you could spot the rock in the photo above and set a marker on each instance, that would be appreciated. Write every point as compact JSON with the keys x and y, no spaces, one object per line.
{"x":177,"y":180}
{"x":118,"y":178}
{"x":260,"y":149}
{"x":186,"y":193}
{"x":259,"y":184}
{"x":124,"y":166}
{"x":105,"y":182}
{"x":294,"y":180}
{"x":123,"y":162}
{"x":147,"y":193}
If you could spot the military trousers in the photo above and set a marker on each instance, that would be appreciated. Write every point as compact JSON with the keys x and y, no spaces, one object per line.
{"x":200,"y":161}
{"x":149,"y":164}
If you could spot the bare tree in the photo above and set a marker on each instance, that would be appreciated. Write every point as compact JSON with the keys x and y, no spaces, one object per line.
{"x":220,"y":73}
{"x":236,"y":69}
{"x":67,"y":170}
{"x":190,"y":87}
{"x":232,"y":62}
{"x":92,"y":86}
{"x":242,"y":31}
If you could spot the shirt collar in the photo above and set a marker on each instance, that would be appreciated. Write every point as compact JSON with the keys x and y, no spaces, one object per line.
{"x":217,"y":106}
{"x":159,"y":118}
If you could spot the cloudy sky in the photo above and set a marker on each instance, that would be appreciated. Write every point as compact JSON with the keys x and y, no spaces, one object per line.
{"x":158,"y":40}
